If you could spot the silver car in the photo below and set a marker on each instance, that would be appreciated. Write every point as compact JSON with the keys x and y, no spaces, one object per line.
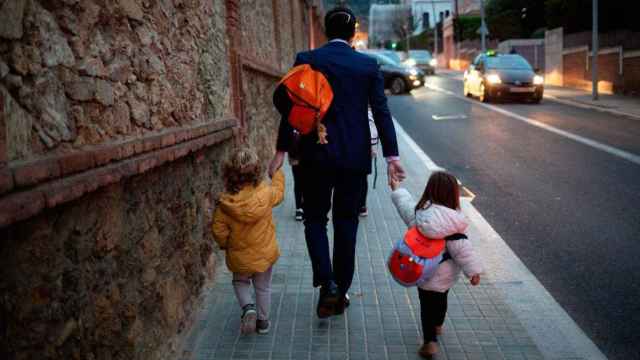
{"x":423,"y":60}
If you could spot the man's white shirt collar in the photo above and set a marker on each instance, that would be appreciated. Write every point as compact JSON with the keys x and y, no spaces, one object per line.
{"x":340,"y":40}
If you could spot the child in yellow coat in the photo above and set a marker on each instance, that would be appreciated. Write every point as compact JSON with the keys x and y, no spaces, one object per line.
{"x":243,"y":226}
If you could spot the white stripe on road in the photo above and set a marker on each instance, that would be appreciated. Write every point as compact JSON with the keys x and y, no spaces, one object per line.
{"x":581,"y":139}
{"x":448,"y":117}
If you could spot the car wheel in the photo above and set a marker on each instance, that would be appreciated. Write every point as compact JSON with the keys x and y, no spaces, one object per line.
{"x":484,"y":95}
{"x":398,"y":86}
{"x":536,"y":99}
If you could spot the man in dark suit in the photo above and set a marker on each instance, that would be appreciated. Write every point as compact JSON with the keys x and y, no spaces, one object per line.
{"x":339,"y":168}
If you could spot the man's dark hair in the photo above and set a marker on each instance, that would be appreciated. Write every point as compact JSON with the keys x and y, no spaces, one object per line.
{"x":340,"y":23}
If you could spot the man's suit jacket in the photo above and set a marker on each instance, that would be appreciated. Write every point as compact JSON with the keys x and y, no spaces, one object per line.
{"x":356,"y":82}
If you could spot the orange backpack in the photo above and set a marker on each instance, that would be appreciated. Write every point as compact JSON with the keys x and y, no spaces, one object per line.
{"x":311,"y":95}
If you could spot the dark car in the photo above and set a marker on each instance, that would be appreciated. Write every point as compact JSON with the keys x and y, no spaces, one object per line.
{"x":494,"y":76}
{"x":397,"y":77}
{"x":423,"y":60}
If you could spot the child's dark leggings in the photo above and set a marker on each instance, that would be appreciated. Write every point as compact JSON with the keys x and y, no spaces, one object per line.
{"x":297,"y":185}
{"x":433,"y":308}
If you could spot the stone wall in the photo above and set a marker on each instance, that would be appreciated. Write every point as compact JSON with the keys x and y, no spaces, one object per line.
{"x":87,"y":72}
{"x":115,"y":115}
{"x":114,"y":274}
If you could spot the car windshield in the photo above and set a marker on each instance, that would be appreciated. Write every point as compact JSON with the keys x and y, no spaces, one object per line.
{"x":420,"y":55}
{"x":386,"y":60}
{"x":508,"y":62}
{"x":393,"y":56}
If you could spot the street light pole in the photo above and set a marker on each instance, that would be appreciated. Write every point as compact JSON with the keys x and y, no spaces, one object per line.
{"x":594,"y":48}
{"x":409,"y":33}
{"x":435,"y":31}
{"x":483,"y":27}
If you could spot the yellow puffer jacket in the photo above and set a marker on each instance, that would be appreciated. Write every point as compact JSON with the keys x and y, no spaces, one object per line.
{"x":243,"y":226}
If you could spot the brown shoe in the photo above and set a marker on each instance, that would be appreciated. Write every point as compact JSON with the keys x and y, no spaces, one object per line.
{"x":328,"y":300}
{"x":428,"y":350}
{"x":439,"y":330}
{"x":343,"y":304}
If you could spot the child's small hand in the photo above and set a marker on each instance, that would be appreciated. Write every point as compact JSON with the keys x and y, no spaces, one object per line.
{"x":475,"y":279}
{"x":394,"y":184}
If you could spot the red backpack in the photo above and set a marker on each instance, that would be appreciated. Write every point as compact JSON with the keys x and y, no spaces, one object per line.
{"x":311,"y":95}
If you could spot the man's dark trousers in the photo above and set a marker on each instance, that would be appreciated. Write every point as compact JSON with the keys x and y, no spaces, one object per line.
{"x":318,"y":185}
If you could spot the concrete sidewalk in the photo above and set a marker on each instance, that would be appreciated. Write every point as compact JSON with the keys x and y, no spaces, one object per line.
{"x":612,"y":103}
{"x":509,"y":316}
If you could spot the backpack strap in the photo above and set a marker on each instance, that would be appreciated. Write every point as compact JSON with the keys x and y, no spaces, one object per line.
{"x":456,"y":236}
{"x":453,"y":237}
{"x":375,"y":171}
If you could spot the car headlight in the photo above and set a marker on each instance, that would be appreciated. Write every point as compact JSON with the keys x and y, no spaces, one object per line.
{"x":410,"y":62}
{"x":493,"y":79}
{"x":538,"y":80}
{"x":433,"y":62}
{"x":413,"y":72}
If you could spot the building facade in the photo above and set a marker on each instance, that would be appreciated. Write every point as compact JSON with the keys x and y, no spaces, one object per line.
{"x":427,"y":13}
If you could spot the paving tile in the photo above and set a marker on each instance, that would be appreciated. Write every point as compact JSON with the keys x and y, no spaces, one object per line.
{"x":383,"y":321}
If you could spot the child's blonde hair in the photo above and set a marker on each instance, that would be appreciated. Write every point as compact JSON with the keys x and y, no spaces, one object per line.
{"x":242,"y":167}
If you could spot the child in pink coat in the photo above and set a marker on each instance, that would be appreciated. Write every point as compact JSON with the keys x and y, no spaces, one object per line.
{"x":437,"y":215}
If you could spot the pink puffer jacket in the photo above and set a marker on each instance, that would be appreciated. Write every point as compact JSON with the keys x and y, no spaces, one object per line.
{"x":437,"y":222}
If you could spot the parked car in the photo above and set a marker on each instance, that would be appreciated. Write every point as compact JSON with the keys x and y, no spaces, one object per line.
{"x":423,"y":60}
{"x":494,"y":76}
{"x":398,"y":78}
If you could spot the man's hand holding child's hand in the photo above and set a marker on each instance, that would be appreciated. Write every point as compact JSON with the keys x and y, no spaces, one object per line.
{"x":475,"y":279}
{"x":394,"y":184}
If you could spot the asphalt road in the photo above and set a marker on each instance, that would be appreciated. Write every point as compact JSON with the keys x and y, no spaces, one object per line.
{"x":570,"y":211}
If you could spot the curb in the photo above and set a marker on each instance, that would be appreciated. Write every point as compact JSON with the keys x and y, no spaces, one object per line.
{"x":553,"y":331}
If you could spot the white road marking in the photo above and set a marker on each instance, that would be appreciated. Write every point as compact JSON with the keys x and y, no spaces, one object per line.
{"x":412,"y":144}
{"x":448,"y":117}
{"x":577,"y":138}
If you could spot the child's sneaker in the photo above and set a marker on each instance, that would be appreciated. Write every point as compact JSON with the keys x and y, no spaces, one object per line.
{"x":263,"y":326}
{"x":299,"y":215}
{"x":363,"y":212}
{"x":248,"y":320}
